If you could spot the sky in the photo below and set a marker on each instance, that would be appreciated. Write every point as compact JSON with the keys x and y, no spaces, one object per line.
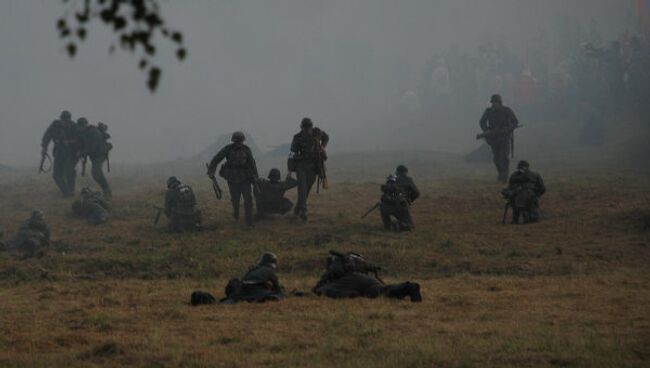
{"x":253,"y":65}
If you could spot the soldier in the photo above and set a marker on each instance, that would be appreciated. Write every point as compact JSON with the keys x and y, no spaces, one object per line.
{"x":92,"y":206}
{"x":180,"y":207}
{"x":32,"y":237}
{"x":94,"y":144}
{"x":260,"y":283}
{"x":406,"y":184}
{"x":395,"y":203}
{"x":306,"y":159}
{"x":348,"y":276}
{"x":239,"y":171}
{"x":62,"y":133}
{"x":525,"y":187}
{"x":270,"y":197}
{"x":498,"y":123}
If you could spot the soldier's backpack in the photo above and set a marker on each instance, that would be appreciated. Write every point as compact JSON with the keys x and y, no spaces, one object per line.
{"x":95,"y":141}
{"x":186,"y":200}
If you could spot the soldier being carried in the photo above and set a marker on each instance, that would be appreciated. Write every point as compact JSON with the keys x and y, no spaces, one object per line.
{"x":92,"y":206}
{"x":525,"y":187}
{"x":350,"y":275}
{"x":270,"y":196}
{"x":180,"y":207}
{"x":93,"y":144}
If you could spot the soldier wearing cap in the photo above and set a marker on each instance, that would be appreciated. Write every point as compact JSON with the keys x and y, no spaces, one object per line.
{"x":240,"y":171}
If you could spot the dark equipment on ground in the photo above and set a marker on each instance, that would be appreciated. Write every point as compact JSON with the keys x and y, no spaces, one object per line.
{"x":371,"y":209}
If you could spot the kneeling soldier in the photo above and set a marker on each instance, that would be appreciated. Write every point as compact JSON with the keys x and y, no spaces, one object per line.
{"x":395,"y":204}
{"x":270,"y":197}
{"x":180,"y":207}
{"x":92,"y":206}
{"x":32,"y":237}
{"x":525,"y":187}
{"x":348,"y":276}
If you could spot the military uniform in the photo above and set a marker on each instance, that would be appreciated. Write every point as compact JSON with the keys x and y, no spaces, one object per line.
{"x":525,"y":187}
{"x":62,"y":133}
{"x":32,"y":237}
{"x":270,"y":197}
{"x":240,"y":172}
{"x":304,"y":160}
{"x":407,"y":186}
{"x":92,"y":206}
{"x":260,"y":283}
{"x":348,"y":276}
{"x":180,"y":207}
{"x":95,"y":145}
{"x":499,"y":121}
{"x":394,"y":203}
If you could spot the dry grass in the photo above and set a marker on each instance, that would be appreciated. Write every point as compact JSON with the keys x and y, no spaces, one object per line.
{"x":572,"y":290}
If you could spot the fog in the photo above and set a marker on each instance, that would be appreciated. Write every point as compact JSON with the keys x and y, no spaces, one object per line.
{"x":260,"y":66}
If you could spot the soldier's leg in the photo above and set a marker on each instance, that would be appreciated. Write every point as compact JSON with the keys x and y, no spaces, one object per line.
{"x":58,"y":174}
{"x":235,"y":193}
{"x":71,"y":173}
{"x":285,"y":206}
{"x":385,"y":218}
{"x":406,"y":219}
{"x":301,"y":177}
{"x":98,"y":174}
{"x":248,"y":202}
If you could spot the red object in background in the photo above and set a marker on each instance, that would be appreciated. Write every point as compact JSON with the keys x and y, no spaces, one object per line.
{"x":526,"y":92}
{"x":643,"y":13}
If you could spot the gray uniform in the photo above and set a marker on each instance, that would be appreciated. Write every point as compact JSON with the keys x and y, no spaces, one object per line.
{"x":525,"y":189}
{"x":258,"y":285}
{"x":32,"y":237}
{"x":62,"y":133}
{"x":240,"y":171}
{"x":305,"y":150}
{"x":270,"y":197}
{"x":94,"y":145}
{"x":500,"y":120}
{"x":92,"y":206}
{"x":180,"y":209}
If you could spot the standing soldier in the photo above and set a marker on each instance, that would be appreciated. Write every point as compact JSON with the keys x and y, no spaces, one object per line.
{"x":498,"y":123}
{"x":270,"y":196}
{"x":95,"y":145}
{"x":306,"y":158}
{"x":239,"y":171}
{"x":62,"y":133}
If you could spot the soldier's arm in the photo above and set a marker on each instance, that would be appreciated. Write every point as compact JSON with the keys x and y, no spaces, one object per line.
{"x":212,"y":168}
{"x":47,"y":137}
{"x":540,"y":187}
{"x":484,"y":121}
{"x":324,"y":138}
{"x":289,"y":184}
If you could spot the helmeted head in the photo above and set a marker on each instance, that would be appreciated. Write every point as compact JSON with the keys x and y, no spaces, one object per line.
{"x":82,"y":122}
{"x":523,"y":166}
{"x":391,"y":179}
{"x":274,"y":175}
{"x":37,"y":215}
{"x":268,"y":259}
{"x":85,"y":191}
{"x":65,"y":115}
{"x":173,"y":182}
{"x":306,"y":125}
{"x":401,"y":169}
{"x":496,"y":99}
{"x":102,"y":127}
{"x":238,"y":137}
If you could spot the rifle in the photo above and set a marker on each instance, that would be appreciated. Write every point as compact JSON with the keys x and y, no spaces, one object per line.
{"x":157,"y":217}
{"x":215,"y":185}
{"x":45,"y":156}
{"x":322,"y":172}
{"x":108,"y":163}
{"x":371,"y":209}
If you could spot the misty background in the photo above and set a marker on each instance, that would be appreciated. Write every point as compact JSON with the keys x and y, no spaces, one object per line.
{"x":260,"y":66}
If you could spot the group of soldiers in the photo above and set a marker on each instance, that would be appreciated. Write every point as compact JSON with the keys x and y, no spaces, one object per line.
{"x":347,"y":275}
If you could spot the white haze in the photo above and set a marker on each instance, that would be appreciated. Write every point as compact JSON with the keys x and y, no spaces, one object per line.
{"x":257,"y":65}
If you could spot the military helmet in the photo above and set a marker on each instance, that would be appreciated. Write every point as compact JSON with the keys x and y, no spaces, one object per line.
{"x":238,"y":137}
{"x":65,"y":115}
{"x":306,"y":123}
{"x":391,"y":179}
{"x":401,"y":169}
{"x":172,"y":182}
{"x":85,"y":190}
{"x":523,"y":164}
{"x":496,"y":98}
{"x":82,"y":121}
{"x":268,"y":259}
{"x":36,"y":214}
{"x":274,"y":174}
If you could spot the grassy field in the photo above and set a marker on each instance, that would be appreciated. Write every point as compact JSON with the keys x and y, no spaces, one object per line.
{"x":571,"y":291}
